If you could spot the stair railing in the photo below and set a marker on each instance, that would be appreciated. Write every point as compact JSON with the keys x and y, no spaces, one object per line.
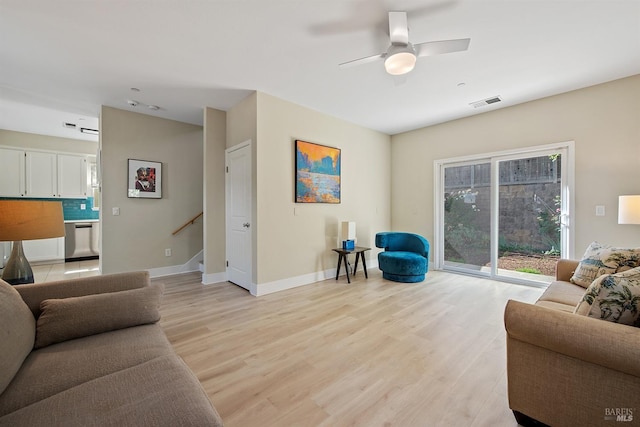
{"x":188,"y":223}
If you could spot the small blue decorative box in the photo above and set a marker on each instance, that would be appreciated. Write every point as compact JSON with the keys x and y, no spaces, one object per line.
{"x":348,"y":245}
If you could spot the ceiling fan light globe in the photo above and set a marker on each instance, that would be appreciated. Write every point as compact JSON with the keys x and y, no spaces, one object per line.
{"x":400,"y":60}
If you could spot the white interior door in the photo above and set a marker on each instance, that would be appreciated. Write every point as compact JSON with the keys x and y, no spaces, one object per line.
{"x":238,"y":212}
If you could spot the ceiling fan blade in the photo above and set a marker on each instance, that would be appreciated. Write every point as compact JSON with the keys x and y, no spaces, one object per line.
{"x":398,"y":28}
{"x":441,"y":46}
{"x":361,"y":61}
{"x":400,"y":80}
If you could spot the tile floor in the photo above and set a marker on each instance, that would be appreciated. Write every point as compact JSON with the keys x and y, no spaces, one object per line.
{"x":66,"y":270}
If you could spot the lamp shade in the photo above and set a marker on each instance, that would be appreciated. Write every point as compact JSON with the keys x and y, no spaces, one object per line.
{"x":629,"y":210}
{"x":30,"y":220}
{"x":348,"y":230}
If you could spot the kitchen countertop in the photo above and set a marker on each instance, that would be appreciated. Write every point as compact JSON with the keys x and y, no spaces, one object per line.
{"x":71,"y":221}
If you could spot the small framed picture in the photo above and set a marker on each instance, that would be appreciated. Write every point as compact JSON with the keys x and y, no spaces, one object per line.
{"x":144,"y":179}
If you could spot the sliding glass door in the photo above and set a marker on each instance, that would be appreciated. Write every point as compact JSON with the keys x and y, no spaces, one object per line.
{"x":466,"y":215}
{"x":504,"y":215}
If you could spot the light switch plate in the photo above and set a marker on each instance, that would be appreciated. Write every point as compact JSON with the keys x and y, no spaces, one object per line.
{"x":115,"y":211}
{"x":599,"y":210}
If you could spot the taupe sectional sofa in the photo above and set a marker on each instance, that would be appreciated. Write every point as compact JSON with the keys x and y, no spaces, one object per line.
{"x":565,"y":369}
{"x":88,"y":352}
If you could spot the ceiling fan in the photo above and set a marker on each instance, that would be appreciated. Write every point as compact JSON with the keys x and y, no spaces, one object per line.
{"x":400,"y":57}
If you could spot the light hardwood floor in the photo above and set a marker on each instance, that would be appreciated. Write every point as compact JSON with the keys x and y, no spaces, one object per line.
{"x":65,"y":270}
{"x":372,"y":353}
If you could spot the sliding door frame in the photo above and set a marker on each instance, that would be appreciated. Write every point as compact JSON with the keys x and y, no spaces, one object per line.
{"x":567,"y":187}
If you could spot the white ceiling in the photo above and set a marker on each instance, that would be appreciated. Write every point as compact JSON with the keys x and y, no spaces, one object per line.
{"x":68,"y":57}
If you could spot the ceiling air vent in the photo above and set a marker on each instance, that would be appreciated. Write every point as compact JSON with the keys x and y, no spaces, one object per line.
{"x":89,"y":131}
{"x":74,"y":126}
{"x":485,"y":102}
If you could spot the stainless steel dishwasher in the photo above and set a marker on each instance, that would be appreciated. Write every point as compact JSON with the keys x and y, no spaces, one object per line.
{"x":81,"y":240}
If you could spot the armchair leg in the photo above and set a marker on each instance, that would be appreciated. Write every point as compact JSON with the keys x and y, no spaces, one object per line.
{"x":527,"y":421}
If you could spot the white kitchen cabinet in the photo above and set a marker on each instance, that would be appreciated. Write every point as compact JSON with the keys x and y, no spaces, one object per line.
{"x":42,"y":250}
{"x":42,"y":174}
{"x":72,"y":176}
{"x":12,"y":174}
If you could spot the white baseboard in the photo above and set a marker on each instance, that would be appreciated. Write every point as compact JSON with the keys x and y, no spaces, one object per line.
{"x":188,"y":267}
{"x":305,"y":279}
{"x":211,"y":278}
{"x":291,"y":282}
{"x":260,"y":289}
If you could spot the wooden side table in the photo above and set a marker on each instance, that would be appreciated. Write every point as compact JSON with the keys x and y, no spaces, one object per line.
{"x":342,"y":258}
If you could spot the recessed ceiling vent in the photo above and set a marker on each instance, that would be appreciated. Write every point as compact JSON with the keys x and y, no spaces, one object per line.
{"x":74,"y":126}
{"x":485,"y":102}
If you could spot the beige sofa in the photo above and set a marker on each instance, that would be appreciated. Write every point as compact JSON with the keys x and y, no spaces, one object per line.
{"x":88,"y":352}
{"x":565,"y":369}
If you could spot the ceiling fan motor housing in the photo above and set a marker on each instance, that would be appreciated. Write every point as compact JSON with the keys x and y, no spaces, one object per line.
{"x":400,"y":59}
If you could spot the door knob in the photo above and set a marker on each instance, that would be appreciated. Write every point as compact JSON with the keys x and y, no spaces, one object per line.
{"x":246,"y":224}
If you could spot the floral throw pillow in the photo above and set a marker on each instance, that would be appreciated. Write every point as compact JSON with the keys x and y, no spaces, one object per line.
{"x":601,"y":259}
{"x":613,"y":297}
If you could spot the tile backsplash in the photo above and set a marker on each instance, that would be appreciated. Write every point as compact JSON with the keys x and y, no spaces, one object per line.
{"x":72,"y":208}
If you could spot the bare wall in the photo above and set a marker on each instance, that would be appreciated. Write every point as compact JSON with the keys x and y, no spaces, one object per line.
{"x":604,"y":122}
{"x":242,"y":121}
{"x":215,"y":135}
{"x":44,"y":142}
{"x":138,"y":237}
{"x":295,"y":239}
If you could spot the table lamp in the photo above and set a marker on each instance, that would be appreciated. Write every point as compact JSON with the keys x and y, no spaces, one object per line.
{"x":348,"y":234}
{"x":27,"y":220}
{"x":629,"y":210}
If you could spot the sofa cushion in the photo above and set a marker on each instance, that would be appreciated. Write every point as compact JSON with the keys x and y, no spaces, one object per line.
{"x":601,"y":259}
{"x":554,"y":305}
{"x":17,"y":332}
{"x":69,"y":318}
{"x":34,"y":293}
{"x":59,"y":367}
{"x":561,"y":295}
{"x":160,"y":392}
{"x":613,"y":297}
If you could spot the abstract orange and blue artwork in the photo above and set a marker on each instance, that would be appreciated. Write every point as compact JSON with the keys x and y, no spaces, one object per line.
{"x":317,"y":173}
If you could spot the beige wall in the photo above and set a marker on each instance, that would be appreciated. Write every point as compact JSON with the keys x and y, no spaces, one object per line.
{"x":44,"y":142}
{"x":215,"y":134}
{"x":604,"y":122}
{"x":242,"y":122}
{"x":137,"y":238}
{"x":296,"y":239}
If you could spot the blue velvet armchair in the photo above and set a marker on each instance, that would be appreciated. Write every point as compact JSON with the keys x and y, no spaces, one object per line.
{"x":405,"y":257}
